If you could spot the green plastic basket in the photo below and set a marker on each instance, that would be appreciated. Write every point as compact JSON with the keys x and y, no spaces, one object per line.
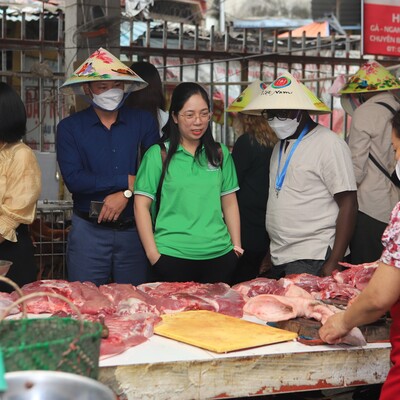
{"x":53,"y":344}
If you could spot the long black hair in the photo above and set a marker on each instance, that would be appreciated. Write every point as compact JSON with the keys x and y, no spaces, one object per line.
{"x":151,"y":98}
{"x":180,"y":96}
{"x":12,"y":115}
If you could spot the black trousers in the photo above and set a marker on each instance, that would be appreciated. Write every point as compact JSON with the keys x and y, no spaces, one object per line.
{"x":248,"y":266}
{"x":366,"y":244}
{"x":173,"y":269}
{"x":21,"y":253}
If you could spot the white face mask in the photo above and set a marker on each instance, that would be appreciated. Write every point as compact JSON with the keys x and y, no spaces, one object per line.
{"x":284,"y":129}
{"x":398,"y":169}
{"x":109,"y":100}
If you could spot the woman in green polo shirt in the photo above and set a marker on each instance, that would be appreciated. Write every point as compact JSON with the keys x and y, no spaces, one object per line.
{"x":193,"y":232}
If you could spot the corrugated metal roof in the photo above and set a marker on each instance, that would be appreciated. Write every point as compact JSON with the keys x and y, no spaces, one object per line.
{"x":32,"y":6}
{"x":272,"y":23}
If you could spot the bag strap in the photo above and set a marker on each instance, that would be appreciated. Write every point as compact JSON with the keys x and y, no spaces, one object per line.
{"x":163,"y":153}
{"x":371,"y":157}
{"x":220,"y":154}
{"x":389,"y":107}
{"x":383,"y":170}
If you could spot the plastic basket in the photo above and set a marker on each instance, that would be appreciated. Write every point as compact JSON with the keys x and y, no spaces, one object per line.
{"x":55,"y":344}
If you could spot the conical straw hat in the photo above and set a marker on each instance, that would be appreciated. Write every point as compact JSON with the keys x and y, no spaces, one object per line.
{"x":371,"y":77}
{"x":286,"y":93}
{"x":248,"y":94}
{"x":102,"y":66}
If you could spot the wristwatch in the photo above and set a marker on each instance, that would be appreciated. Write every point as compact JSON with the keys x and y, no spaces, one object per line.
{"x":127,"y":193}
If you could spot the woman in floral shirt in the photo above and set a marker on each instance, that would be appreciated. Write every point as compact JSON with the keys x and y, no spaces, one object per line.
{"x":381,"y":294}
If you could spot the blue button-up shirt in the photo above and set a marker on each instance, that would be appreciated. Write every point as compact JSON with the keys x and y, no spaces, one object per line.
{"x":96,"y":161}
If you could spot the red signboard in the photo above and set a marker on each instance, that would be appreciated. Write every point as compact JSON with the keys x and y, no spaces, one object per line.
{"x":381,"y":33}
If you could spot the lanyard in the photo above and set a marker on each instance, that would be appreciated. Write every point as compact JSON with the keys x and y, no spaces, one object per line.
{"x":280,"y":176}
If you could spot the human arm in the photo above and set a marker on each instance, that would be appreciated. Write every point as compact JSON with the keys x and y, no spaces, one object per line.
{"x":115,"y":203}
{"x":144,"y":226}
{"x":21,"y":191}
{"x":381,"y":293}
{"x":229,"y":204}
{"x":345,"y":223}
{"x":230,"y":210}
{"x":146,"y":184}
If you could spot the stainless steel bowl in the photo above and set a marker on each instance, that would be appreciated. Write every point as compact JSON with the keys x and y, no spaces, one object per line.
{"x":4,"y":267}
{"x":53,"y":385}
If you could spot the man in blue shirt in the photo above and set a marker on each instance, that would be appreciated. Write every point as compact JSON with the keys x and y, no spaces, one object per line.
{"x":97,"y":151}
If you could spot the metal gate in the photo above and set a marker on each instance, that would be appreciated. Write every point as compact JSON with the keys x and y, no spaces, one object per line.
{"x":49,"y":232}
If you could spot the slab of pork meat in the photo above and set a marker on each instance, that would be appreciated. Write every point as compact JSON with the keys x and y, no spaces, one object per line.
{"x":273,"y":308}
{"x":170,"y":297}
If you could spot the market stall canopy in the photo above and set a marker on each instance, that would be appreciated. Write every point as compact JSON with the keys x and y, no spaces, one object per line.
{"x":310,"y":30}
{"x":324,"y":28}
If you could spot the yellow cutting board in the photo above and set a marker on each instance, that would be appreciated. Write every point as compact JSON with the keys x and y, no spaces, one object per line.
{"x":218,"y":332}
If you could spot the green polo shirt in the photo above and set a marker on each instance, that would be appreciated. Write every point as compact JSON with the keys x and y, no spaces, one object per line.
{"x":189,"y":222}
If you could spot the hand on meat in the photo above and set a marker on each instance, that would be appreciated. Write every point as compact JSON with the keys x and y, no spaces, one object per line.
{"x":273,"y":308}
{"x":328,"y":267}
{"x":334,"y":329}
{"x":266,"y":264}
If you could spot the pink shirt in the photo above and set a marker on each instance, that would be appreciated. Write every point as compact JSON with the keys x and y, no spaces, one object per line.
{"x":391,"y":239}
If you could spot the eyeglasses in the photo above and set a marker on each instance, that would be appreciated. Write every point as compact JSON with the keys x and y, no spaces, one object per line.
{"x":281,"y":115}
{"x":191,"y":116}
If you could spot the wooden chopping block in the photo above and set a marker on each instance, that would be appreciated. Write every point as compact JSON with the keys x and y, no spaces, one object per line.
{"x":375,"y":332}
{"x":218,"y":332}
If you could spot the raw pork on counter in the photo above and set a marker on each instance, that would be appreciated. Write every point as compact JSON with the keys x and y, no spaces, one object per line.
{"x":357,"y":276}
{"x":124,"y":331}
{"x":129,"y":313}
{"x":171,"y":297}
{"x":281,"y":287}
{"x":85,"y":296}
{"x":344,"y":285}
{"x":127,"y":299}
{"x":274,"y":308}
{"x":6,"y":300}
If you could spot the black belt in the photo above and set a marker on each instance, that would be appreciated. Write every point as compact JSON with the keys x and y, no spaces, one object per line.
{"x":124,"y":224}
